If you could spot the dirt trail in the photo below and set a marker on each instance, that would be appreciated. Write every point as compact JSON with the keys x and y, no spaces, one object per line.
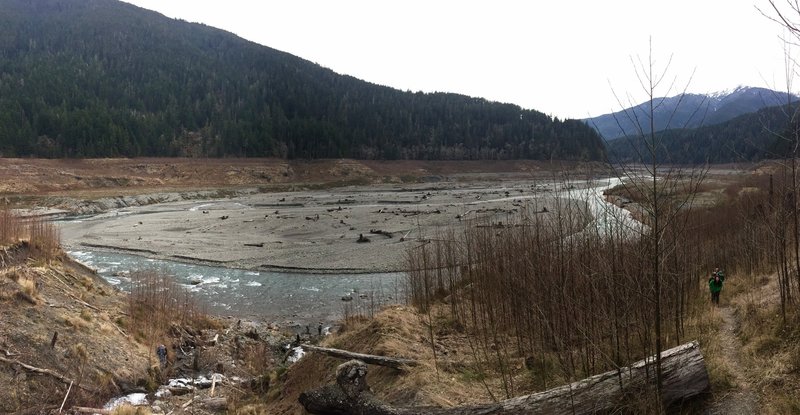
{"x":742,"y":400}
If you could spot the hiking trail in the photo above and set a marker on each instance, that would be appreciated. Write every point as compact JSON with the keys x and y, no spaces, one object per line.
{"x":742,"y":399}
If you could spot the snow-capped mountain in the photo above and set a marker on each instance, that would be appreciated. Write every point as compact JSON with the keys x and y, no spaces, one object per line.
{"x":688,"y":111}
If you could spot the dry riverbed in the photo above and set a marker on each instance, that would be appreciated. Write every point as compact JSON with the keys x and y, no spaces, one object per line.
{"x":309,"y":230}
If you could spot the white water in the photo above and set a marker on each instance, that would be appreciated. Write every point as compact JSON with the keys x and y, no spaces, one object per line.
{"x":293,"y":299}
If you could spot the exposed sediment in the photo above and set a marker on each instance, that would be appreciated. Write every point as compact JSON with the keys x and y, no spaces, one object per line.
{"x":312,"y":230}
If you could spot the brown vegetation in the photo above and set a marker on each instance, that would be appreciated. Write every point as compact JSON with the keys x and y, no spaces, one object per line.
{"x":156,"y":303}
{"x":63,"y":329}
{"x":508,"y":310}
{"x":568,"y":305}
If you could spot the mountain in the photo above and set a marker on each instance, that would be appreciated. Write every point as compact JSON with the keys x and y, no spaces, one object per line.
{"x":99,"y":78}
{"x":688,"y":111}
{"x":749,"y":137}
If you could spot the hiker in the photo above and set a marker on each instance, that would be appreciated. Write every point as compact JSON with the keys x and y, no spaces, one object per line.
{"x":715,"y":285}
{"x":319,"y":329}
{"x":161,"y":351}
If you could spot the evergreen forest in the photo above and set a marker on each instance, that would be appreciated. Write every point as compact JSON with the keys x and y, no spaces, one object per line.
{"x":749,"y":137}
{"x":102,"y":78}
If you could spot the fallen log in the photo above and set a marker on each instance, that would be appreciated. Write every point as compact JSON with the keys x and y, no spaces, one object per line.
{"x":381,"y":232}
{"x":684,"y":376}
{"x":48,"y":372}
{"x":214,"y":404}
{"x":85,"y":410}
{"x":393,"y":362}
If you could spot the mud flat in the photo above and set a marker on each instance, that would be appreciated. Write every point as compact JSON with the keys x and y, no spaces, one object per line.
{"x":309,"y":230}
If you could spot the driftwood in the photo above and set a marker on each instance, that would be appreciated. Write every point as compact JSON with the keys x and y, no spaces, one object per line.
{"x":215,"y":404}
{"x":67,"y":292}
{"x":49,"y":372}
{"x":381,"y":232}
{"x":178,"y":391}
{"x":83,"y":303}
{"x":65,"y":398}
{"x":8,"y":353}
{"x":85,"y":410}
{"x":186,"y":405}
{"x":684,"y":377}
{"x":393,"y":362}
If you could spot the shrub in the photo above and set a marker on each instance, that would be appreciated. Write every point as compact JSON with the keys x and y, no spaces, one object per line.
{"x":74,"y":322}
{"x":156,"y":302}
{"x":28,"y":286}
{"x":86,"y":315}
{"x":44,"y":239}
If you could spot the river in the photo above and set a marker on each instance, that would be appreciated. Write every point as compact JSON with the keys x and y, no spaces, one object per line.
{"x":289,"y":299}
{"x":300,"y":299}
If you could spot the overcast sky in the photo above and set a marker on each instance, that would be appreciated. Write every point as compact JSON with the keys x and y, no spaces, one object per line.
{"x":561,"y":57}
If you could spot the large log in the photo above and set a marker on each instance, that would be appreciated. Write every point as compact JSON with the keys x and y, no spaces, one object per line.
{"x":393,"y":362}
{"x":684,"y":376}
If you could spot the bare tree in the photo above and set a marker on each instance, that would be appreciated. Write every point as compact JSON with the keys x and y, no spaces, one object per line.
{"x":667,"y":190}
{"x":787,"y":14}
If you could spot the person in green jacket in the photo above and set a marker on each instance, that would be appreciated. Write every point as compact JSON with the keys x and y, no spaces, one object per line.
{"x":715,"y":285}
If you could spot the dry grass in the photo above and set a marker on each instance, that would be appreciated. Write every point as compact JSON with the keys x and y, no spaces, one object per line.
{"x":452,"y":379}
{"x":28,"y":286}
{"x":86,"y":315}
{"x":705,"y":328}
{"x":127,"y":409}
{"x":75,"y":322}
{"x":771,"y":353}
{"x":87,"y":282}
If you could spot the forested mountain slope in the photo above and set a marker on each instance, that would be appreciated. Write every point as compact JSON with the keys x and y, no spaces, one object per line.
{"x":750,"y":137}
{"x":97,"y":78}
{"x":688,"y":111}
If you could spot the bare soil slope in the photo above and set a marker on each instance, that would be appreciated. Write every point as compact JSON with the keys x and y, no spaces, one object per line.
{"x":39,"y":299}
{"x":27,"y":178}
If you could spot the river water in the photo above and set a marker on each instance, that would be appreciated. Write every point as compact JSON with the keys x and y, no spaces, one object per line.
{"x":287,"y":298}
{"x":300,"y":299}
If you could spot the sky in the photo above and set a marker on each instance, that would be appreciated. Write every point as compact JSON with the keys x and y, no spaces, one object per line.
{"x":565,"y":58}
